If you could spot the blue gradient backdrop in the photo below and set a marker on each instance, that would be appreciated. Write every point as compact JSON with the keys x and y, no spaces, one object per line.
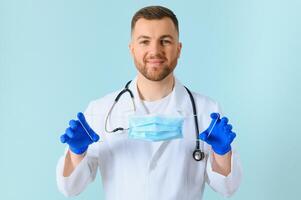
{"x":56,"y":56}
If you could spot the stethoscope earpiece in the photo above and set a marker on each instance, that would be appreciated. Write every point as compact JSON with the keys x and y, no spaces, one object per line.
{"x":198,"y":155}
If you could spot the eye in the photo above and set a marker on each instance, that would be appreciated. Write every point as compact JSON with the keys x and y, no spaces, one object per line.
{"x":144,"y":42}
{"x":165,"y":42}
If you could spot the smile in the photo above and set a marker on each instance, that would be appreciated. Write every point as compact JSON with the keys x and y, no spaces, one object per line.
{"x":155,"y":61}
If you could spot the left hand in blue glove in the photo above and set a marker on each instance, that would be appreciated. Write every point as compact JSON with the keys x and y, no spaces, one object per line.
{"x":79,"y":135}
{"x":219,"y":134}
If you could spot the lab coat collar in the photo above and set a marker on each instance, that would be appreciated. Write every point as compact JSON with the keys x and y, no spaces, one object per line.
{"x":176,"y":105}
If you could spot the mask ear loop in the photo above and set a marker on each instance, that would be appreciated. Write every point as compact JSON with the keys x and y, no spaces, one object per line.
{"x":212,"y":127}
{"x":86,"y":130}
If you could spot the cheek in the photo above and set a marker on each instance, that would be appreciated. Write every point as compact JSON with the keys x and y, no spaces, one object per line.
{"x":139,"y":54}
{"x":173,"y":53}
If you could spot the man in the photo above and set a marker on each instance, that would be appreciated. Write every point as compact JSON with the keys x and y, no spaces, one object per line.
{"x":143,"y":161}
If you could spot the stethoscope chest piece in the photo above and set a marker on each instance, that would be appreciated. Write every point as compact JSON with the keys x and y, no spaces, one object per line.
{"x":198,"y":155}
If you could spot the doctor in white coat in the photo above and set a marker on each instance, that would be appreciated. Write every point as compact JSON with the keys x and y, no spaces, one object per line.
{"x":134,"y":169}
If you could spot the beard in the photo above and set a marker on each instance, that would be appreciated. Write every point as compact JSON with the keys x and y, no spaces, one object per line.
{"x":155,"y":73}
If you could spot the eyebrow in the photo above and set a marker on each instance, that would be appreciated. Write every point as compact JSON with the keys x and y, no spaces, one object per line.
{"x":147,"y":37}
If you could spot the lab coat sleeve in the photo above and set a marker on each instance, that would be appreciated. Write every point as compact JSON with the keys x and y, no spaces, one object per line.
{"x":83,"y":174}
{"x":225,"y":185}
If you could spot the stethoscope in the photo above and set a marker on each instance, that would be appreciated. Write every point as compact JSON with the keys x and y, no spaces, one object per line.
{"x":198,"y":154}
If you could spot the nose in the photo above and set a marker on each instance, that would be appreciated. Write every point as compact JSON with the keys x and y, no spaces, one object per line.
{"x":155,"y":48}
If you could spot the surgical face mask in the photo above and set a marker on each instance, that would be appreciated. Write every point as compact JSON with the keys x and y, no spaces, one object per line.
{"x":155,"y":128}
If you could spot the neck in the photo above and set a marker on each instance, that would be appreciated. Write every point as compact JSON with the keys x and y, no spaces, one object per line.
{"x":154,"y":90}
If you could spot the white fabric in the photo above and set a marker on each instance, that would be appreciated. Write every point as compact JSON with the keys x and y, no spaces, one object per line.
{"x":137,"y":170}
{"x":158,"y":106}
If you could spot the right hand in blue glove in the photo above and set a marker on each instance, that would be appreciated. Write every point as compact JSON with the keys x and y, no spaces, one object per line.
{"x":79,"y":135}
{"x":219,"y":134}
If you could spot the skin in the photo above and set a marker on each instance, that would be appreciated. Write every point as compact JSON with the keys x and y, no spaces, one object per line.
{"x":155,"y":49}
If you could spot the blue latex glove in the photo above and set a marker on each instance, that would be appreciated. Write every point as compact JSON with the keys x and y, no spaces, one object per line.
{"x":221,"y":135}
{"x":76,"y":135}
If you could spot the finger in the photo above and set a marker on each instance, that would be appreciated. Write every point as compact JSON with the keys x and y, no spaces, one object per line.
{"x":86,"y":126}
{"x":224,"y":120}
{"x":82,"y":119}
{"x":228,"y":128}
{"x":94,"y":136}
{"x":70,"y":133}
{"x":73,"y":124}
{"x":214,"y":121}
{"x":203,"y":136}
{"x":214,"y":116}
{"x":231,"y":136}
{"x":64,"y":138}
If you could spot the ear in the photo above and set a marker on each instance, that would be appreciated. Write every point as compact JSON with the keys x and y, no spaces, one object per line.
{"x":131,"y":48}
{"x":179,"y":49}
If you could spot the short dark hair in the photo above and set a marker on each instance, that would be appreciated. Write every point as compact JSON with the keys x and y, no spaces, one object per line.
{"x":154,"y":12}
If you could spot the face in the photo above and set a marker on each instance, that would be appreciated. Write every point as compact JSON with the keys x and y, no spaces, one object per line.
{"x":155,"y":48}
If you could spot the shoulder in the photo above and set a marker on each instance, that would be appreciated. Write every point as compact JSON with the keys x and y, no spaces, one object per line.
{"x":102,"y":103}
{"x":203,"y":99}
{"x":206,"y":103}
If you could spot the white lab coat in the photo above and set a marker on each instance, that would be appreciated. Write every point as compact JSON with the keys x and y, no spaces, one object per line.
{"x":138,"y":170}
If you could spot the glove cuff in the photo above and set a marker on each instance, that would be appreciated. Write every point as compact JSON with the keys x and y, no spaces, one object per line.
{"x":222,"y":151}
{"x":78,"y":150}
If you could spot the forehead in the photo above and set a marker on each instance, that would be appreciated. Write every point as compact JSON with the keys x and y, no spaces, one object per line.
{"x":154,"y":28}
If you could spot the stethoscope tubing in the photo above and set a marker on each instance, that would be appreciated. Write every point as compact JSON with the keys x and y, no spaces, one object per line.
{"x":198,"y":154}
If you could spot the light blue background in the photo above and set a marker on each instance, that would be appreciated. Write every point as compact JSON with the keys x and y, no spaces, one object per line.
{"x":56,"y":56}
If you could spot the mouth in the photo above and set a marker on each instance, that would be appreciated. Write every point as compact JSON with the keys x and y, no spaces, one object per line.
{"x":155,"y":61}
